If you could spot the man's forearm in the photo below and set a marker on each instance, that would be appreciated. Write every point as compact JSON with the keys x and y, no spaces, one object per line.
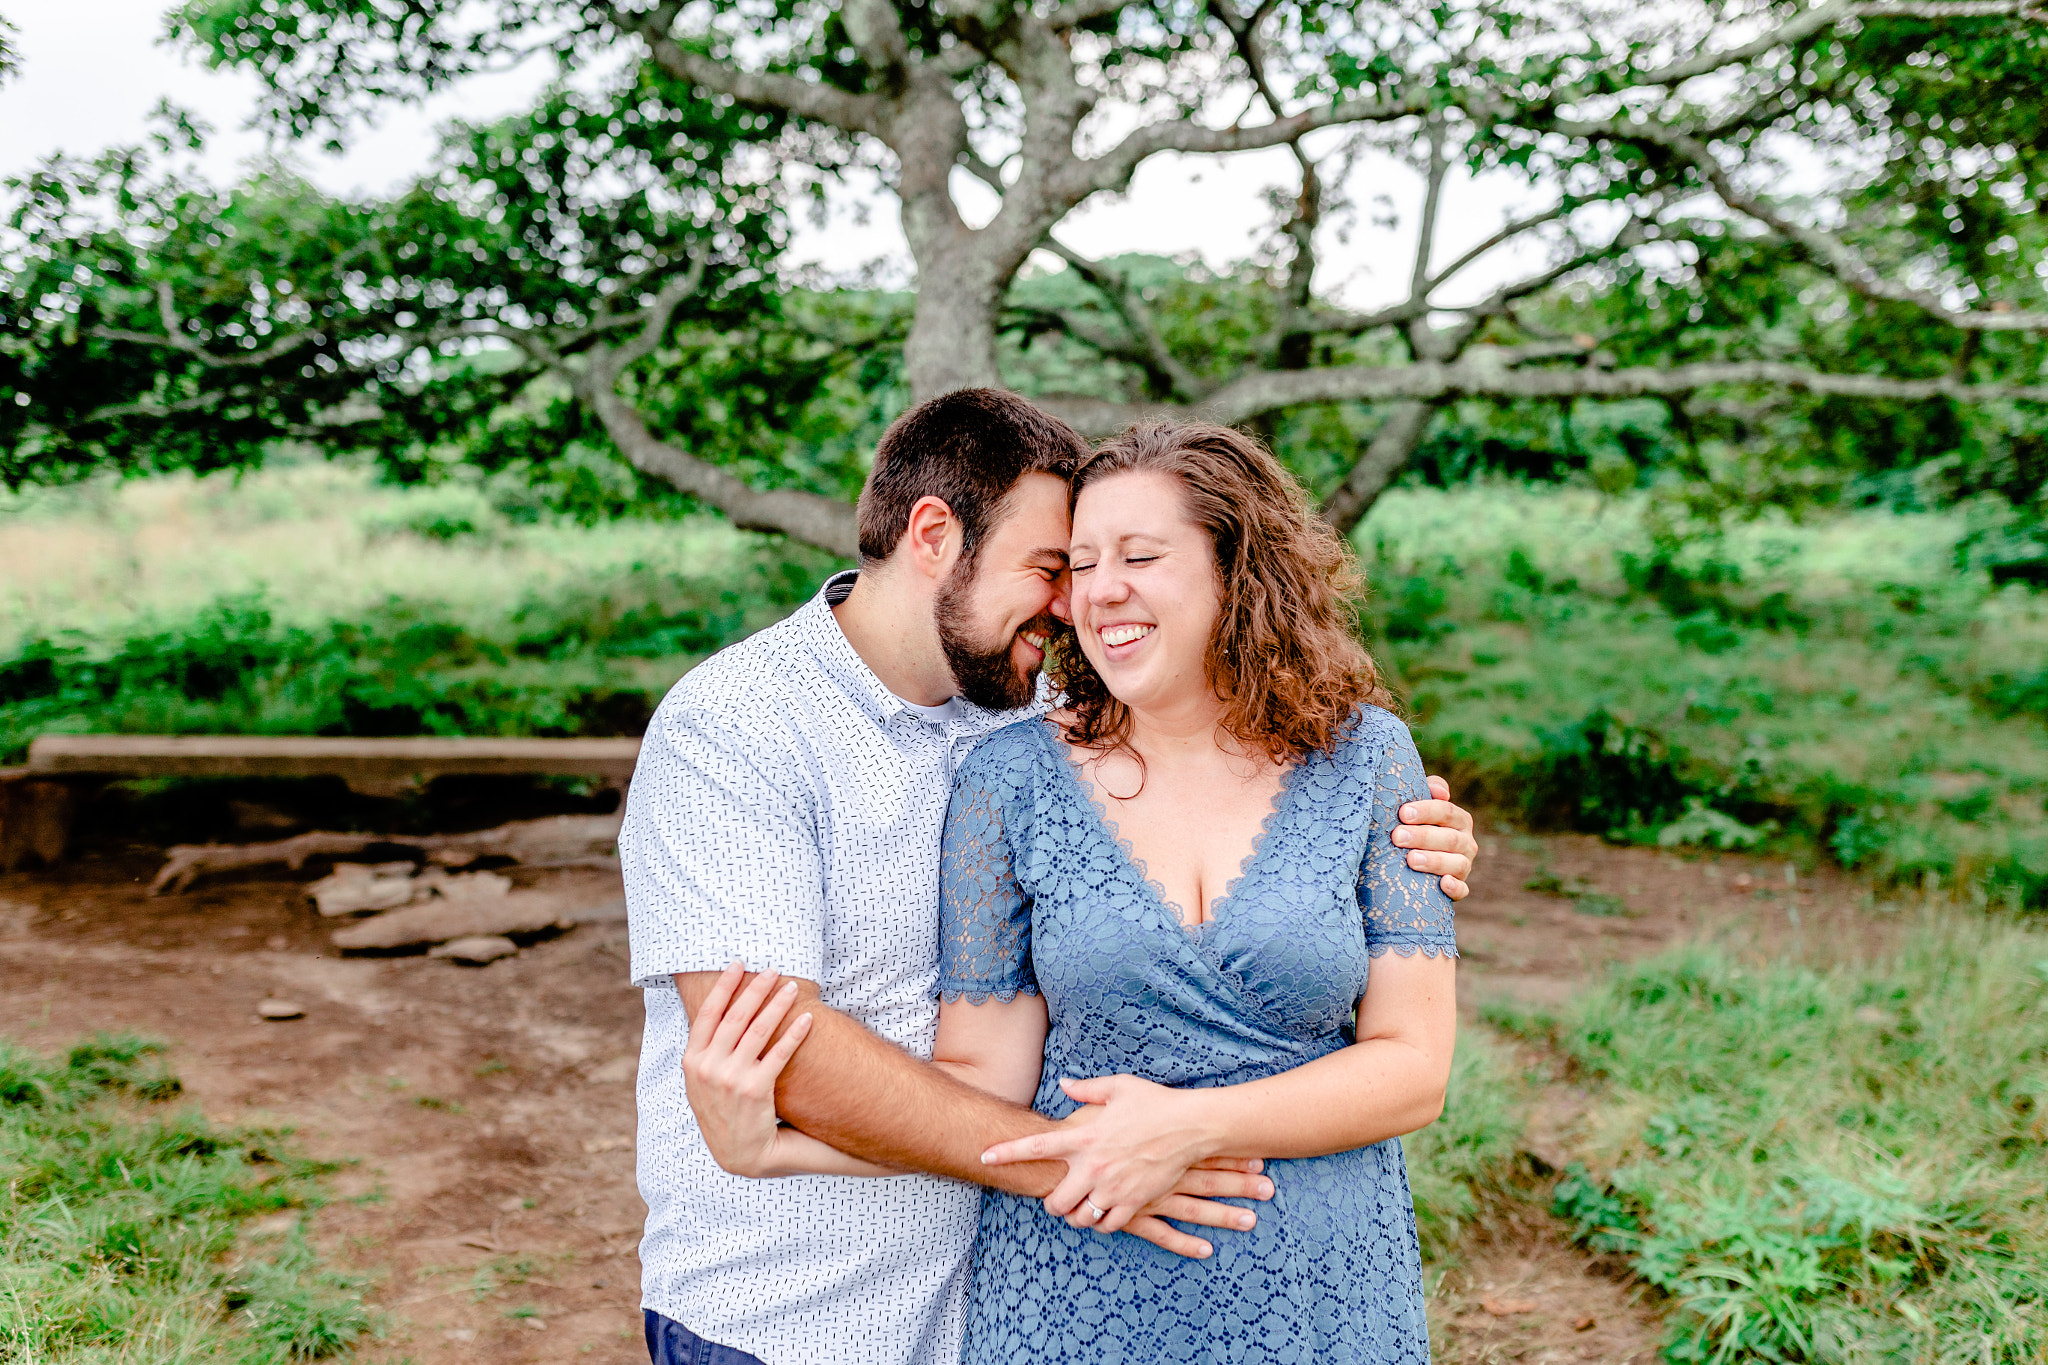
{"x":871,"y":1099}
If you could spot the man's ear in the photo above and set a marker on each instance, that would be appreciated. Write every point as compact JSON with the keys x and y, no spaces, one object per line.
{"x":932,"y":541}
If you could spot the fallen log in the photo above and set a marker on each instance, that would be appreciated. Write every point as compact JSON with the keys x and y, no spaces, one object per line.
{"x":555,"y":841}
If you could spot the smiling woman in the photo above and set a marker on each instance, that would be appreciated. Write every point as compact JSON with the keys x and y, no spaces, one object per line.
{"x":1274,"y":638}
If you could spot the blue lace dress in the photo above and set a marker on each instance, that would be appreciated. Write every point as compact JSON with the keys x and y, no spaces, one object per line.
{"x":1039,"y":895}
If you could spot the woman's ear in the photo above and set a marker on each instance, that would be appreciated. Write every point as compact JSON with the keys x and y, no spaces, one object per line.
{"x":933,"y":539}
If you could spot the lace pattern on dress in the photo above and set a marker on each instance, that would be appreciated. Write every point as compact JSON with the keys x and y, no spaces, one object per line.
{"x":1405,"y":911}
{"x":984,"y":916}
{"x":1039,"y":895}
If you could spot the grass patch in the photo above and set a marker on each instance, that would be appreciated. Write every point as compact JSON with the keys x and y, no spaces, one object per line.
{"x":119,"y":1225}
{"x":1842,"y":690}
{"x":1458,"y":1164}
{"x":1846,"y":1163}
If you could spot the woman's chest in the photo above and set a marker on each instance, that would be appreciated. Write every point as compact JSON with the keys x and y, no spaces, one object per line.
{"x":1193,"y":836}
{"x":1284,"y":954}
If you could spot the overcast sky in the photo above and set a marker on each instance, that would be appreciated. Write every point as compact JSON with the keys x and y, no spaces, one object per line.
{"x":91,"y":71}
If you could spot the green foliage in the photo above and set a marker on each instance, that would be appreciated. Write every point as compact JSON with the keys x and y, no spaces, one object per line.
{"x":1867,"y":698}
{"x":309,"y":601}
{"x":149,"y":321}
{"x":1840,"y":1164}
{"x":233,"y":668}
{"x":119,"y":1227}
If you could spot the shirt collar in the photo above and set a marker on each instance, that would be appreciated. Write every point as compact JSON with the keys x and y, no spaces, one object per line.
{"x":843,"y":664}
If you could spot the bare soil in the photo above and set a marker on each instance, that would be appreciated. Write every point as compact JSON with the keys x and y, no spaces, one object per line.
{"x":488,"y":1112}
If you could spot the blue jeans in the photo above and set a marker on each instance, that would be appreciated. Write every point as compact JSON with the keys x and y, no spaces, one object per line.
{"x":671,"y":1343}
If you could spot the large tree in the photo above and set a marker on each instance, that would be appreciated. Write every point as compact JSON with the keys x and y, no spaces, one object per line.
{"x":1658,"y":146}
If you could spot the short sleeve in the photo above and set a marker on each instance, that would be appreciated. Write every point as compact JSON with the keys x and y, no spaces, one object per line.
{"x":719,"y":850}
{"x":984,"y":915}
{"x":1405,"y":911}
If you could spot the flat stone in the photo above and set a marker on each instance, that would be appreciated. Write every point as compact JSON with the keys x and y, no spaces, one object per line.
{"x":476,"y":949}
{"x":354,"y":888}
{"x":280,"y":1009}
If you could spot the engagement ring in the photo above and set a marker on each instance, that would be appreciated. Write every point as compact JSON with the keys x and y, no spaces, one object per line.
{"x":1091,"y":1207}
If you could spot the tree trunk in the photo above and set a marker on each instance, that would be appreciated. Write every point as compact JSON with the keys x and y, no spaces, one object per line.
{"x":952,"y":342}
{"x":1391,"y":447}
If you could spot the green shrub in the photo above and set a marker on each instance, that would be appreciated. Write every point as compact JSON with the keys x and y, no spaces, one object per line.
{"x":1842,"y":1164}
{"x":1839,"y":686}
{"x":580,"y":662}
{"x":118,"y":1226}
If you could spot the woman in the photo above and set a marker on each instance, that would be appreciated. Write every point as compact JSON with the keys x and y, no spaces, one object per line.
{"x":1183,"y":886}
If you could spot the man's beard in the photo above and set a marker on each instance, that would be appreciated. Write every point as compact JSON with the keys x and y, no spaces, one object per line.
{"x":987,"y":675}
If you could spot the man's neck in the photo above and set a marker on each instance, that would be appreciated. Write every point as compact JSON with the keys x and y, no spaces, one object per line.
{"x":892,"y":630}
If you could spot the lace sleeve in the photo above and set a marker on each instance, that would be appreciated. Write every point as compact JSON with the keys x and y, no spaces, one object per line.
{"x":984,"y":916}
{"x":1404,"y":910}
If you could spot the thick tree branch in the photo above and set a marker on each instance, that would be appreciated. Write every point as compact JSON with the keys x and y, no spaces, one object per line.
{"x":1113,"y":169}
{"x":1482,"y":375}
{"x":842,"y":109}
{"x":808,"y":517}
{"x":1151,"y":351}
{"x":1391,"y":447}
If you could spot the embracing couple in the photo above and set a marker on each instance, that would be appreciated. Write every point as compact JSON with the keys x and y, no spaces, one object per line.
{"x":1146,"y":951}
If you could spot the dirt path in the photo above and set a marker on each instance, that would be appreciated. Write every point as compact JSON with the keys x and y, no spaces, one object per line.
{"x":490,"y":1110}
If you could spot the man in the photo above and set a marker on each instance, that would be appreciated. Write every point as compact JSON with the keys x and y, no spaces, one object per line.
{"x":786,"y":812}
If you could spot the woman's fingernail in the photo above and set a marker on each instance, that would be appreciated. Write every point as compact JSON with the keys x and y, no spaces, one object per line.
{"x":1247,"y":1222}
{"x":789,"y":988}
{"x":1206,"y":1250}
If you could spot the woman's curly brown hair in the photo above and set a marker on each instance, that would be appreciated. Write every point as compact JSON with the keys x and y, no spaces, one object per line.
{"x":1284,"y":657}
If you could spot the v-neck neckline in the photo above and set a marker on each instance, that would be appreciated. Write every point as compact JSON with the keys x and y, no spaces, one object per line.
{"x":1172,"y":911}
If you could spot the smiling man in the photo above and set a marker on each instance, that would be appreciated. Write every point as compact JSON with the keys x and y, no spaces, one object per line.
{"x":786,"y":812}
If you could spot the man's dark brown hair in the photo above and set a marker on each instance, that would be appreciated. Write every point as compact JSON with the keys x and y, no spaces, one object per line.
{"x":967,"y":449}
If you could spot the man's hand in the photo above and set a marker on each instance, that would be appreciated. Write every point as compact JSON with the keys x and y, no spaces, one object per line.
{"x":1438,"y":837}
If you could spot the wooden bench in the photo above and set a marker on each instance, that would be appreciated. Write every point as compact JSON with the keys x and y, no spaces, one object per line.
{"x":38,"y":799}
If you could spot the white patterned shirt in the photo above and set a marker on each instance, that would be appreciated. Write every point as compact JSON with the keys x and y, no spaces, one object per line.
{"x":786,"y":811}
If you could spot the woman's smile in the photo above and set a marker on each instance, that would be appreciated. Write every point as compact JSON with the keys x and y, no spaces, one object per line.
{"x":1117,"y":638}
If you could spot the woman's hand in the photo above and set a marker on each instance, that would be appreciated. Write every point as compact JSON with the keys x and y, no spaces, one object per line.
{"x":731,"y":1081}
{"x":1127,"y":1149}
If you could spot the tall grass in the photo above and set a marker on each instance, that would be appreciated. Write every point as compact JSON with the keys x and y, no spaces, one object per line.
{"x":1466,"y":1159}
{"x":119,"y":1227}
{"x":1844,"y":1163}
{"x":308,"y":600}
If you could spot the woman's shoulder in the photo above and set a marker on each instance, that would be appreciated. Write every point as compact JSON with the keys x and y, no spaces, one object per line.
{"x":1371,"y":730}
{"x":1005,"y":755}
